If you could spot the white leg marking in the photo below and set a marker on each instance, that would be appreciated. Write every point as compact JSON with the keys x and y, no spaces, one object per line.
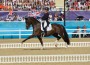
{"x":56,"y":43}
{"x":42,"y":47}
{"x":66,"y":45}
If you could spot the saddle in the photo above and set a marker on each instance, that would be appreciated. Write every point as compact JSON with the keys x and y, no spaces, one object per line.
{"x":49,"y":28}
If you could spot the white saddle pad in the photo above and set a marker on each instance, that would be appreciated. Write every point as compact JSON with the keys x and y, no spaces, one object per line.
{"x":49,"y":28}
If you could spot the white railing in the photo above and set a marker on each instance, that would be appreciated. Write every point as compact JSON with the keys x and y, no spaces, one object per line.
{"x":45,"y":58}
{"x":46,"y":45}
{"x":19,"y":32}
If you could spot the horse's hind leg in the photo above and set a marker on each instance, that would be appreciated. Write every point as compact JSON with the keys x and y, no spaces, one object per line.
{"x":62,"y":35}
{"x":58,"y":37}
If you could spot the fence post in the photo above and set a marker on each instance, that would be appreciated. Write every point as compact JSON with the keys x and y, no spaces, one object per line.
{"x":79,"y":35}
{"x":19,"y":34}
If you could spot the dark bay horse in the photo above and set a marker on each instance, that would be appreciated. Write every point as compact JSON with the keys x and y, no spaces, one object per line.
{"x":57,"y":31}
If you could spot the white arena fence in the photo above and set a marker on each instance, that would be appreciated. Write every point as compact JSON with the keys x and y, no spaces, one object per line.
{"x":45,"y":58}
{"x":20,"y":32}
{"x":46,"y":45}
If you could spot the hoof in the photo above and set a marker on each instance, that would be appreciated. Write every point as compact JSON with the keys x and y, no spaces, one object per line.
{"x":42,"y":48}
{"x":55,"y":45}
{"x":66,"y":46}
{"x":21,"y":42}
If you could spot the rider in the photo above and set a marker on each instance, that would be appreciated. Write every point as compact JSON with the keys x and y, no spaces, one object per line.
{"x":45,"y":18}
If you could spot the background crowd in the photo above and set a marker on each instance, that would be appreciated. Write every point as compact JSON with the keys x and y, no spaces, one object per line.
{"x":78,"y":5}
{"x":28,"y":5}
{"x":35,"y":8}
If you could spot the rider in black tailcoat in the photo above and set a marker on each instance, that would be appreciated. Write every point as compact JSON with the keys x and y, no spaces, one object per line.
{"x":45,"y":18}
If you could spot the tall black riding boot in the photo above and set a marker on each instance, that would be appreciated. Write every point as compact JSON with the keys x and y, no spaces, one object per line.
{"x":45,"y":32}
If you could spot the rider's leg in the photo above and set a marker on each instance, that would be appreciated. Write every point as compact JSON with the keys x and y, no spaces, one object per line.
{"x":48,"y":23}
{"x":45,"y":30}
{"x":43,"y":34}
{"x":43,"y":25}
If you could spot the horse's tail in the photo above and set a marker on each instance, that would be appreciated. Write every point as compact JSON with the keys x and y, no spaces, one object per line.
{"x":66,"y":36}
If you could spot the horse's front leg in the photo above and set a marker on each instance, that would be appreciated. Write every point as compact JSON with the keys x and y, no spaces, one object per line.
{"x":28,"y":38}
{"x":40,"y":39}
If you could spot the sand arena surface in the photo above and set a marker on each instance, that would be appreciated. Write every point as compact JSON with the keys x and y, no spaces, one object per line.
{"x":53,"y":51}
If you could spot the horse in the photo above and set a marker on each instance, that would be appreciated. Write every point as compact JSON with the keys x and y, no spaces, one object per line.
{"x":58,"y":31}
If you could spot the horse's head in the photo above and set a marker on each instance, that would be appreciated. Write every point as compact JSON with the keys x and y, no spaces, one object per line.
{"x":28,"y":22}
{"x":31,"y":21}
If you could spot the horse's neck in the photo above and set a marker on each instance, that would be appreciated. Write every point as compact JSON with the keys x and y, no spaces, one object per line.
{"x":37,"y":25}
{"x":35,"y":22}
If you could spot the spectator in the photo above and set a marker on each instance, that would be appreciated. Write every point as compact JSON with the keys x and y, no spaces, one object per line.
{"x":84,"y":27}
{"x":23,"y":19}
{"x":76,"y":31}
{"x":50,"y":17}
{"x":84,"y":31}
{"x":52,"y":4}
{"x":59,"y":18}
{"x":76,"y":3}
{"x":55,"y":17}
{"x":62,"y":15}
{"x":53,"y":8}
{"x":72,"y":9}
{"x":16,"y":17}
